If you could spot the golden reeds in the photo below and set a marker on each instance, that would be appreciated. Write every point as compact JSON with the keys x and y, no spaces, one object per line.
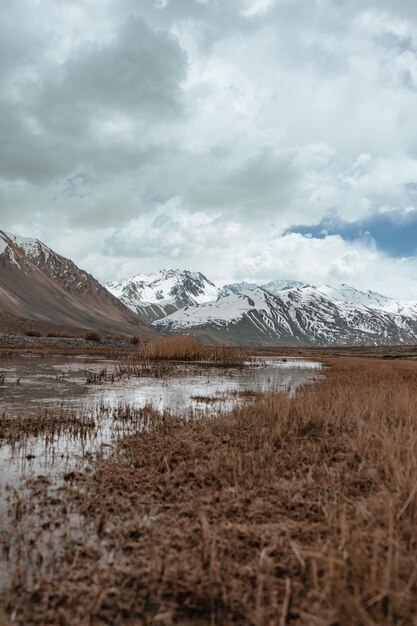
{"x":187,"y":348}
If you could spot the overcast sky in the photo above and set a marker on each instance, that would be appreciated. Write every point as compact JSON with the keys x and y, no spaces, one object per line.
{"x":247,"y":139}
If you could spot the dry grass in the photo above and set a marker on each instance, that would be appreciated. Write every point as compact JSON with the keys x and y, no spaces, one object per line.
{"x":30,"y":332}
{"x":50,"y":424}
{"x":290,"y":510}
{"x":131,"y":368}
{"x":78,"y":425}
{"x":60,"y":335}
{"x":98,"y":377}
{"x":93,"y":335}
{"x":187,"y":348}
{"x":177,"y":347}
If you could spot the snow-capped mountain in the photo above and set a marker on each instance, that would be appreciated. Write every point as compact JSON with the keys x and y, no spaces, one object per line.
{"x":278,"y":312}
{"x":32,"y":248}
{"x":283,"y":285}
{"x":39,"y":286}
{"x":274,"y":285}
{"x":154,"y":296}
{"x":227,"y":290}
{"x":372,"y":299}
{"x":299,"y":316}
{"x":339,"y":293}
{"x":345,"y":293}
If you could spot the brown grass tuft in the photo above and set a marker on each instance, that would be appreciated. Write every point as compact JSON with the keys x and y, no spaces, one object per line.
{"x":93,"y":335}
{"x":30,"y":332}
{"x":60,"y":335}
{"x":187,"y":348}
{"x":51,"y":424}
{"x":177,"y":347}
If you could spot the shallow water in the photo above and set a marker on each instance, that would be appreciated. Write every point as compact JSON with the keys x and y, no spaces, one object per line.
{"x":34,"y":385}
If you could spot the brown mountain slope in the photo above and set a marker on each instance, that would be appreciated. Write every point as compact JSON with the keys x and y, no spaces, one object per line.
{"x":37,"y":285}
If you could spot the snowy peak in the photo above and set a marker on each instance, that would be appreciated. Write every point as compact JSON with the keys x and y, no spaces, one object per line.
{"x":156,"y":295}
{"x":37,"y":283}
{"x":274,"y":285}
{"x":32,"y":248}
{"x":345,"y":293}
{"x":13,"y":246}
{"x":227,"y":290}
{"x":283,"y":285}
{"x":166,"y":287}
{"x":27,"y":252}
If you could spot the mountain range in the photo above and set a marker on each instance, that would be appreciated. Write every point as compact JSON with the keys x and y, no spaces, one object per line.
{"x":278,"y":312}
{"x":158,"y":295}
{"x":46,"y":291}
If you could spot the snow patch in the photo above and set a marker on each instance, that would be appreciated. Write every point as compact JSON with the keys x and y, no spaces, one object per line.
{"x":31,"y":247}
{"x":3,"y":244}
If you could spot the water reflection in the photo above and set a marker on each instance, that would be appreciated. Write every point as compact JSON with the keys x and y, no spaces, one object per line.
{"x":59,"y":384}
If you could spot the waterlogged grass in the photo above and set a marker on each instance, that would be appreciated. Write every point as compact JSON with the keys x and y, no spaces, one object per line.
{"x":47,"y":423}
{"x":157,"y":359}
{"x":294,"y":509}
{"x":75,"y":425}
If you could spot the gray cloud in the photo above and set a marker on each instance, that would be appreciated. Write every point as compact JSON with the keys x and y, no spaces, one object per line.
{"x":160,"y":130}
{"x":88,"y":111}
{"x":137,"y":74}
{"x":264,"y":182}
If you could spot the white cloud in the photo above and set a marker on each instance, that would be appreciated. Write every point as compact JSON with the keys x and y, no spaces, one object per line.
{"x":257,"y":7}
{"x":224,"y":251}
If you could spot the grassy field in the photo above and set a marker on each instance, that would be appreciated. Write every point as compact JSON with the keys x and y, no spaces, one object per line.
{"x":289,"y":510}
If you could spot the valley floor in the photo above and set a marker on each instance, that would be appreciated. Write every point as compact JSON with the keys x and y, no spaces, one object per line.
{"x":292,"y":509}
{"x":118,"y":346}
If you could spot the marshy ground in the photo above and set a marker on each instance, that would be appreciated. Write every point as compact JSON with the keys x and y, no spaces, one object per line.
{"x":284,"y":508}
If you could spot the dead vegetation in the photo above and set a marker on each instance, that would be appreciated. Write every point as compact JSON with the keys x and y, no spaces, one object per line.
{"x":98,"y":377}
{"x":31,"y":332}
{"x":187,"y":348}
{"x":131,"y":368}
{"x":206,"y":399}
{"x":48,"y":423}
{"x":93,"y":335}
{"x":289,"y":510}
{"x":173,"y":348}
